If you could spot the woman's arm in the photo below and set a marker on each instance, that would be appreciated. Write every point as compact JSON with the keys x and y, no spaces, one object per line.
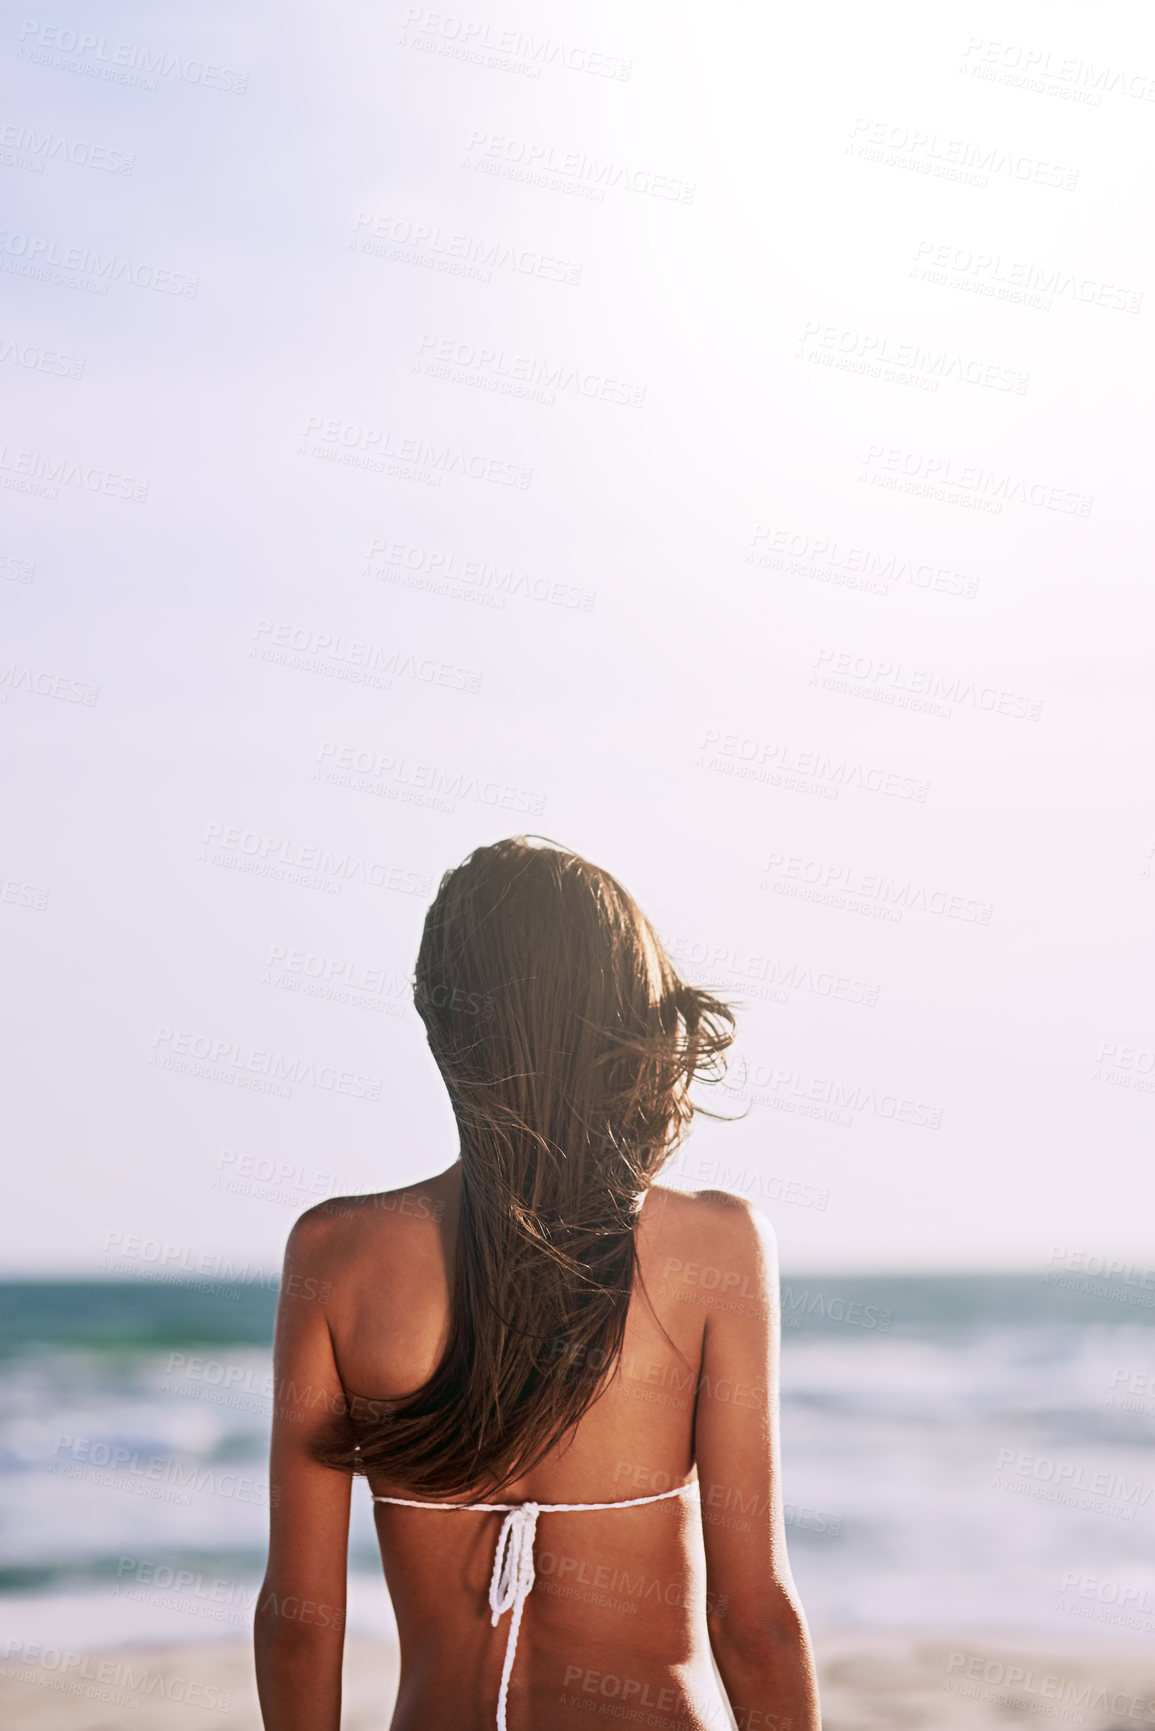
{"x":299,"y":1629}
{"x":757,"y":1628}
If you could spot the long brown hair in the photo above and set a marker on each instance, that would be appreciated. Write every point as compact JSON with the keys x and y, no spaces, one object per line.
{"x":568,"y":1044}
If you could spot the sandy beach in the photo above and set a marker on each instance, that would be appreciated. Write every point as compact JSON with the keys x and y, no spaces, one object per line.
{"x":869,"y":1683}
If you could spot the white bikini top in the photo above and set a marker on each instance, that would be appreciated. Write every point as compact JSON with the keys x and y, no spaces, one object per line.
{"x":513,"y":1572}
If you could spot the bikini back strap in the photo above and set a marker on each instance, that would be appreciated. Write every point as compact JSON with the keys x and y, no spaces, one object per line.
{"x":513,"y":1572}
{"x":543,"y":1508}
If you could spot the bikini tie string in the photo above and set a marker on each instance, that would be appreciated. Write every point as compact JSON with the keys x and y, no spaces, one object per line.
{"x":510,"y":1585}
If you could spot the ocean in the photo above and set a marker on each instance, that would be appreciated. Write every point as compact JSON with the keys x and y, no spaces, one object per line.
{"x":960,"y":1454}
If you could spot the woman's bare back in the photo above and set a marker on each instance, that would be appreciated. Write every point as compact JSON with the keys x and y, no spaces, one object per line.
{"x":618,"y":1614}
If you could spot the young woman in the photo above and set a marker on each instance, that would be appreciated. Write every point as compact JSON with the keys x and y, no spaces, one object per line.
{"x":545,"y":1332}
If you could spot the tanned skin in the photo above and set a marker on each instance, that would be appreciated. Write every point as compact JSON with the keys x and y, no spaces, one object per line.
{"x":629,"y":1605}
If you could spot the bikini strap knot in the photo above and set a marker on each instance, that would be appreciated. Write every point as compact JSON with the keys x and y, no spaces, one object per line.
{"x":513,"y":1571}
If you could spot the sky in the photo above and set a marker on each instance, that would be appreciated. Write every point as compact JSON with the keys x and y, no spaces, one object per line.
{"x":717,"y":440}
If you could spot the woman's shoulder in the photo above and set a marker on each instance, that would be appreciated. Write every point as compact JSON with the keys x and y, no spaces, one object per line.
{"x":339,"y":1223}
{"x":714,"y":1222}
